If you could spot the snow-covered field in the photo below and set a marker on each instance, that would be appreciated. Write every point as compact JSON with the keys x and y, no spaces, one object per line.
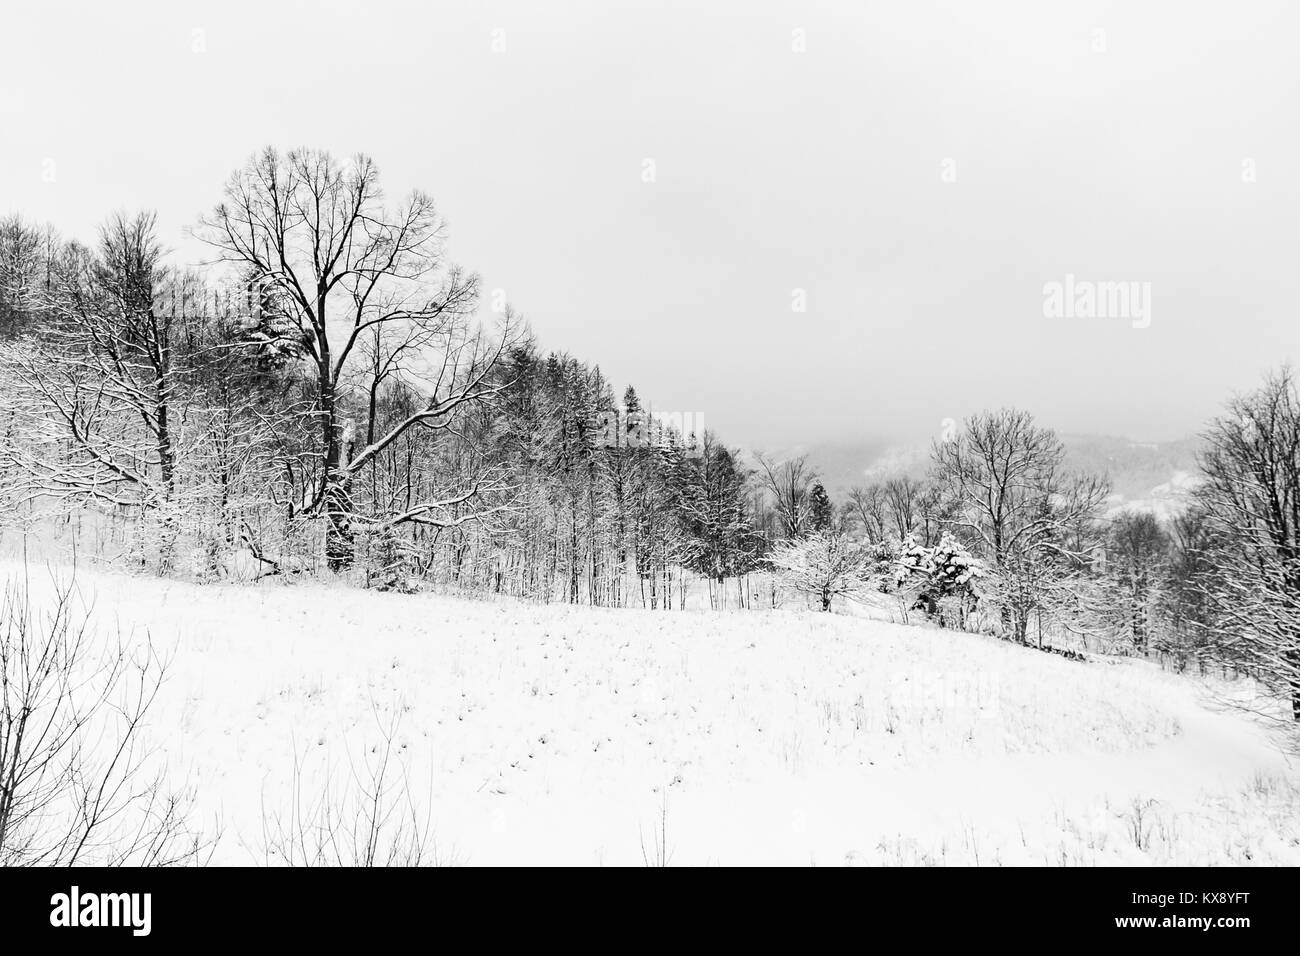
{"x":585,"y":736}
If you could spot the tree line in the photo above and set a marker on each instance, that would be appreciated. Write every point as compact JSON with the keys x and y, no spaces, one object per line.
{"x":1001,"y":536}
{"x":327,"y":399}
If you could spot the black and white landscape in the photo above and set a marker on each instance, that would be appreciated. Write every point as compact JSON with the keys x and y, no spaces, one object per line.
{"x":649,"y":434}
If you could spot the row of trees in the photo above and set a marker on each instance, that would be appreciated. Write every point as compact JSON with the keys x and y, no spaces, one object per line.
{"x":999,"y":522}
{"x":329,"y":395}
{"x":998,"y":507}
{"x":1220,"y":581}
{"x":313,"y":382}
{"x":604,"y":503}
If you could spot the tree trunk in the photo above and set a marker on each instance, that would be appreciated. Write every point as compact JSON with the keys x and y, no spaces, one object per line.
{"x":1293,"y":658}
{"x":340,"y":545}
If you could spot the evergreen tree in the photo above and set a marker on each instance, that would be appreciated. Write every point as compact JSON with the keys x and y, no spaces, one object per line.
{"x":822,"y":513}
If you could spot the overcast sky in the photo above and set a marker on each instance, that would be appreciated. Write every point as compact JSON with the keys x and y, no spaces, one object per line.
{"x":918,"y":170}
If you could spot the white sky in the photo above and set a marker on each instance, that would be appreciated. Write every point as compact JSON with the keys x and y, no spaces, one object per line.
{"x":776,"y":171}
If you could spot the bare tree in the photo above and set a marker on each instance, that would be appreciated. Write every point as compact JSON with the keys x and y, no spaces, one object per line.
{"x":375,"y":299}
{"x":865,"y":510}
{"x":1251,"y":496}
{"x":902,"y":498}
{"x":935,"y":510}
{"x":1018,"y":508}
{"x":790,"y":484}
{"x":1186,"y":611}
{"x":25,"y":252}
{"x":1136,"y":556}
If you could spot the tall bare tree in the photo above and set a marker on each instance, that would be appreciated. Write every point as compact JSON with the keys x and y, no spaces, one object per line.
{"x":1251,"y":495}
{"x":1186,"y":612}
{"x":376,"y":299}
{"x":903,"y":500}
{"x":1018,"y":508}
{"x":790,"y":484}
{"x":865,"y":511}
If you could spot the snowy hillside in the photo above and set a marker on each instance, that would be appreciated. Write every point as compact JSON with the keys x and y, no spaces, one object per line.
{"x":574,"y":735}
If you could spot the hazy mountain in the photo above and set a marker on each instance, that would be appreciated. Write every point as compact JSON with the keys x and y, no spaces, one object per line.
{"x":1147,"y":474}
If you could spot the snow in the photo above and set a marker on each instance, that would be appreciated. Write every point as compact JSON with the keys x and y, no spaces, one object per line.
{"x":569,"y":735}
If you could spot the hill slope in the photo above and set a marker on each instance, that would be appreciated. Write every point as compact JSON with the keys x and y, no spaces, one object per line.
{"x":577,"y":735}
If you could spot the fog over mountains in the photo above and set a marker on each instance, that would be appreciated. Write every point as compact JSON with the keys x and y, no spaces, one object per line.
{"x":1142,"y":474}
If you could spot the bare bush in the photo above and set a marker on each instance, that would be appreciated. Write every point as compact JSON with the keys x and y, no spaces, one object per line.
{"x":658,"y":853}
{"x":78,"y":782}
{"x":367,"y":819}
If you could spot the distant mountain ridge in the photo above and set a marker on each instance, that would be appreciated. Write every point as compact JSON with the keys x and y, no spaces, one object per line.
{"x":1154,"y":475}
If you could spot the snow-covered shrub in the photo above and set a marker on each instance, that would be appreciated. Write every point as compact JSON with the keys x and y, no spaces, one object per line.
{"x":824,"y":565}
{"x":942,"y":580}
